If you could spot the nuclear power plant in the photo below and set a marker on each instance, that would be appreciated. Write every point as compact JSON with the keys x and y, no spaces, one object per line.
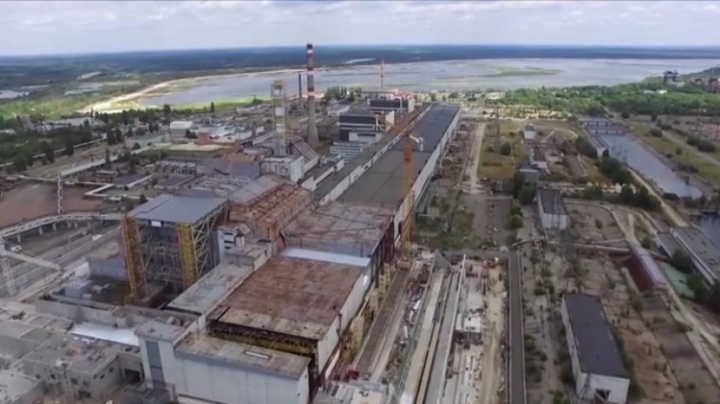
{"x":228,"y":259}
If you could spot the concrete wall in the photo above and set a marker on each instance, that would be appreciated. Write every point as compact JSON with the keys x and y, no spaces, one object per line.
{"x":113,"y":268}
{"x":347,"y":313}
{"x":421,"y":182}
{"x":212,"y":380}
{"x":223,"y":384}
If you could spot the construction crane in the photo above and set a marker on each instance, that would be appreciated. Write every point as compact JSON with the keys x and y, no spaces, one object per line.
{"x":402,"y":128}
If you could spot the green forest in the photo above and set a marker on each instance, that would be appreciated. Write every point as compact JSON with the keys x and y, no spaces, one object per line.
{"x":639,"y":98}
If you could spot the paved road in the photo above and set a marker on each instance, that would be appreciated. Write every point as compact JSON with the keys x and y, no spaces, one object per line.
{"x":516,"y":370}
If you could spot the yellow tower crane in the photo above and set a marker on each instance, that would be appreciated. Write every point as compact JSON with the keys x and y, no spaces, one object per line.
{"x":402,"y":128}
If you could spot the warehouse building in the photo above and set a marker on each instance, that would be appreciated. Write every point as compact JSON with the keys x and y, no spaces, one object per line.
{"x":594,"y":355}
{"x":704,"y":253}
{"x":553,"y":213}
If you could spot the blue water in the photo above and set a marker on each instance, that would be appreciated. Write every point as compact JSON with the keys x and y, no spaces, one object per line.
{"x":626,"y":149}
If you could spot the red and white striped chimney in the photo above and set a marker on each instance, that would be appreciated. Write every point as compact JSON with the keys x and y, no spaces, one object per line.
{"x":313,"y":139}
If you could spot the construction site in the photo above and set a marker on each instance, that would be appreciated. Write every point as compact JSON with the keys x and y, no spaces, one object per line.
{"x":270,"y":273}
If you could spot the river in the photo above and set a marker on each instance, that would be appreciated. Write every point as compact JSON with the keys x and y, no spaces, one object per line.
{"x":446,"y":75}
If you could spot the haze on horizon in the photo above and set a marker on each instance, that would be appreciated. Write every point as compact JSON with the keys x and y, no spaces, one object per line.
{"x":60,"y":27}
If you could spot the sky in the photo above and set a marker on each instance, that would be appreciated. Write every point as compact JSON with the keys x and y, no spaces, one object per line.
{"x":57,"y":27}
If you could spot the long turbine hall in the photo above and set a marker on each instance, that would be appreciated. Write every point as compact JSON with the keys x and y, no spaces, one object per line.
{"x":169,"y":241}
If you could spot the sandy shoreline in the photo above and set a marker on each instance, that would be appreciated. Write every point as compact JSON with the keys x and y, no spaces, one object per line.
{"x":111,"y":105}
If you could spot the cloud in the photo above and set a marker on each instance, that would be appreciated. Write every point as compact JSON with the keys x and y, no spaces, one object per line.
{"x":28,"y":27}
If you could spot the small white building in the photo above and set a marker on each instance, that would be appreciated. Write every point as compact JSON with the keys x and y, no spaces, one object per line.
{"x":529,"y":132}
{"x":538,"y":159}
{"x":597,"y":366}
{"x":178,"y":128}
{"x":553,"y":213}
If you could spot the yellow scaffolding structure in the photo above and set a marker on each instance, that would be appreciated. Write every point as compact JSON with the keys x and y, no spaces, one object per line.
{"x":134,"y":263}
{"x":187,"y":254}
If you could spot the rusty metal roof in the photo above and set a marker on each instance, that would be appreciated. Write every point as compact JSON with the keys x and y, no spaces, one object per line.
{"x":290,"y":295}
{"x":341,"y":228}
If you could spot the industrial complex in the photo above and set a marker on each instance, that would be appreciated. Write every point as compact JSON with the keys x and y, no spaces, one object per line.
{"x":373,"y":247}
{"x":249,"y":276}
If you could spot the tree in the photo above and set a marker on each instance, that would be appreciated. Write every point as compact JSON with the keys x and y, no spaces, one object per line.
{"x":682,"y":261}
{"x":656,"y":132}
{"x":505,"y":149}
{"x":143,"y":198}
{"x":19,"y":164}
{"x":627,"y":195}
{"x":653,"y":117}
{"x":129,"y":133}
{"x":69,"y":148}
{"x":625,"y":115}
{"x":108,"y":163}
{"x":212,"y":107}
{"x":49,"y":152}
{"x":86,"y":123}
{"x":527,"y":194}
{"x":118,"y":135}
{"x":167,"y":111}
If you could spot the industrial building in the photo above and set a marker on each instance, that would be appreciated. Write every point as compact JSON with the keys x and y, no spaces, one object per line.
{"x":529,"y":132}
{"x":590,"y":121}
{"x":704,"y":253}
{"x":180,"y":128}
{"x":553,"y":213}
{"x":645,"y":272}
{"x":169,"y":240}
{"x":538,"y":159}
{"x":70,"y":366}
{"x":597,"y":366}
{"x":399,"y":105}
{"x":361,"y":124}
{"x":380,"y":184}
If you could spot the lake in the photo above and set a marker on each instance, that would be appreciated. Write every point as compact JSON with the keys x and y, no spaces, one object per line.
{"x":446,"y":75}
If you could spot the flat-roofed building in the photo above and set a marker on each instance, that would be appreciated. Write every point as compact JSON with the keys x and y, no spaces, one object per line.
{"x":553,"y":213}
{"x":597,"y":366}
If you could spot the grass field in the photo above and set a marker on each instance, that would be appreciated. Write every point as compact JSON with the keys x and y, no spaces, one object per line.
{"x":493,"y":164}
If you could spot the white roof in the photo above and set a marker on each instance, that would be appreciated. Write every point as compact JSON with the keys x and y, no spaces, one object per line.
{"x":181,"y":125}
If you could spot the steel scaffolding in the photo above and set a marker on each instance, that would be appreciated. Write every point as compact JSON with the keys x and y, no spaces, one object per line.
{"x":187,"y":254}
{"x":177,"y":254}
{"x":174,"y":254}
{"x":134,"y":263}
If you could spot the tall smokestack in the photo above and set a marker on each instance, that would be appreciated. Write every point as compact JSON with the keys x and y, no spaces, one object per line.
{"x":300,"y":101}
{"x":382,"y":74}
{"x":313,"y":139}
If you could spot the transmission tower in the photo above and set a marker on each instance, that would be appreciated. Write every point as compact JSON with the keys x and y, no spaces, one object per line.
{"x":59,"y":194}
{"x":10,"y":287}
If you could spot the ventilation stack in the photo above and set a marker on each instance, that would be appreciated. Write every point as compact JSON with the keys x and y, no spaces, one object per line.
{"x":382,"y":74}
{"x":313,"y":138}
{"x":300,"y":100}
{"x":278,"y":101}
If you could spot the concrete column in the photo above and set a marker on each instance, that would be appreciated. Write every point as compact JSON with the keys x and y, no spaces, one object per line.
{"x":40,"y":230}
{"x":19,"y":240}
{"x":54,"y":226}
{"x":75,"y":225}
